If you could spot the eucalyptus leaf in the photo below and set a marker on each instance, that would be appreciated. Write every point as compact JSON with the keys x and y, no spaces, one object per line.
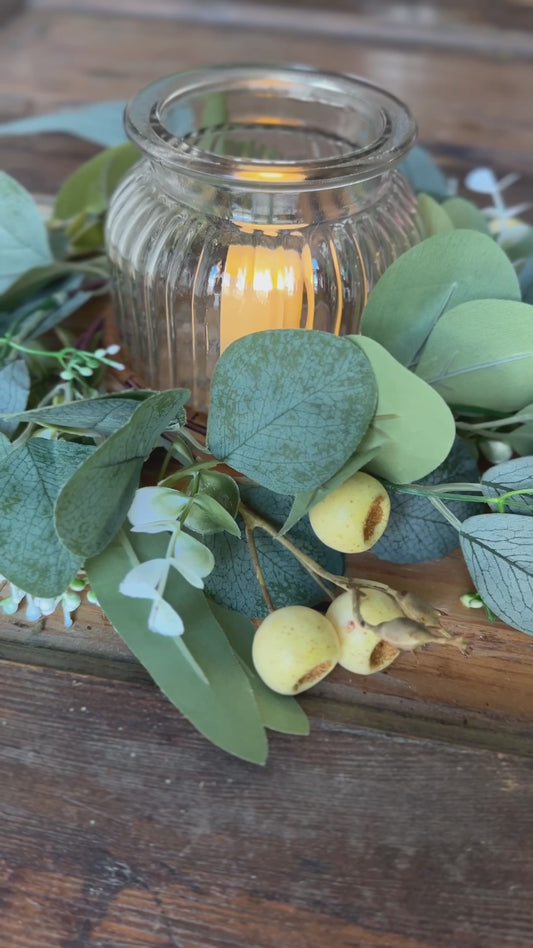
{"x":233,"y":582}
{"x":14,"y":391}
{"x":34,"y":285}
{"x":31,"y":553}
{"x":91,"y":185}
{"x":432,"y":217}
{"x":217,"y":516}
{"x":521,"y":249}
{"x":224,"y":710}
{"x":416,"y":531}
{"x":464,"y":215}
{"x":526,"y":281}
{"x":430,"y":278}
{"x":498,"y":551}
{"x":481,"y":354}
{"x":93,"y":504}
{"x":101,"y":123}
{"x":23,"y":237}
{"x":278,"y":712}
{"x":45,"y":309}
{"x":5,"y":446}
{"x":521,"y":439}
{"x":419,"y":426}
{"x":423,"y":174}
{"x":103,"y":415}
{"x":509,"y":476}
{"x":288,"y":407}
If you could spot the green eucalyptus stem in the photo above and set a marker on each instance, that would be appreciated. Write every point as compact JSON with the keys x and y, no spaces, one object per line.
{"x":128,"y":549}
{"x":446,"y":513}
{"x":260,"y":576}
{"x":253,"y":521}
{"x":477,"y":427}
{"x":443,"y":492}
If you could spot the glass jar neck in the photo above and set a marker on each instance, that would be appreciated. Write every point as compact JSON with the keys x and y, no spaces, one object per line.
{"x":270,"y":143}
{"x":260,"y":208}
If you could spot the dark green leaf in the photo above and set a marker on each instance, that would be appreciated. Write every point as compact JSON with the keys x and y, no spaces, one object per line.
{"x":224,"y":710}
{"x":430,"y":278}
{"x":91,"y":186}
{"x":94,"y":503}
{"x":481,"y":353}
{"x":14,"y":391}
{"x":522,"y":248}
{"x":464,"y":215}
{"x":521,"y":439}
{"x":278,"y":712}
{"x":31,"y":476}
{"x":416,"y":531}
{"x":103,"y":415}
{"x":233,"y":583}
{"x":498,"y":550}
{"x":526,"y":281}
{"x":423,"y":174}
{"x":515,"y":474}
{"x":289,"y":407}
{"x":45,"y":309}
{"x":23,"y":239}
{"x":418,"y":425}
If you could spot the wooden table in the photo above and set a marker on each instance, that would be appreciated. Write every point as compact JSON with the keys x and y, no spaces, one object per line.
{"x":405,"y":820}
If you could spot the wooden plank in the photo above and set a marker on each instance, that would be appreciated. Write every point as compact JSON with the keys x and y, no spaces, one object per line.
{"x":123,"y":828}
{"x":478,"y":27}
{"x":50,"y":60}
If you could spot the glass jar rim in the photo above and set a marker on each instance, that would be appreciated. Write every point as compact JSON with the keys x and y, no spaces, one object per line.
{"x":146,"y":126}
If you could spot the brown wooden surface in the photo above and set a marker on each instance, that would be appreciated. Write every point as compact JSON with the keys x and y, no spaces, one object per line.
{"x":404,"y":820}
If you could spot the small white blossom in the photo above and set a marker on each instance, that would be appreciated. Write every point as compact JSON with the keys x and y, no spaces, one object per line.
{"x":147,"y":581}
{"x":156,"y":509}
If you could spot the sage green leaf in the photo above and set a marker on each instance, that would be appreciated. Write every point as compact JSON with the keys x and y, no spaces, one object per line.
{"x":23,"y":238}
{"x":416,"y":531}
{"x":32,"y":282}
{"x":94,"y":502}
{"x":90,"y":187}
{"x":14,"y":391}
{"x":303,"y":501}
{"x":103,"y":415}
{"x":481,"y":354}
{"x":419,"y":426}
{"x":498,"y":551}
{"x":430,"y":278}
{"x":278,"y":712}
{"x":31,"y":553}
{"x":432,"y":217}
{"x":526,"y":281}
{"x":224,"y":710}
{"x":216,"y":516}
{"x":233,"y":582}
{"x":521,"y":439}
{"x":423,"y":174}
{"x":522,"y":248}
{"x":288,"y":407}
{"x":516,"y":474}
{"x":99,"y":122}
{"x":464,"y":215}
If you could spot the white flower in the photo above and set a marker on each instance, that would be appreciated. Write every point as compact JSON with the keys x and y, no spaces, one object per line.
{"x":192,"y":559}
{"x":147,"y":581}
{"x":156,"y":509}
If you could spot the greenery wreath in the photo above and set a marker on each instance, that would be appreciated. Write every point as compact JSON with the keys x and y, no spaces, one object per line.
{"x":346,"y":443}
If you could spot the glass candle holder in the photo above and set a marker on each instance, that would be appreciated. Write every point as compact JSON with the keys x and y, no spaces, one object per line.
{"x":266,"y":197}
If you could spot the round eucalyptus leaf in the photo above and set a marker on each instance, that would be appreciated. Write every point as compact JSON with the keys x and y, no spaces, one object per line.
{"x":432,"y":216}
{"x":289,"y":406}
{"x":430,"y":278}
{"x":516,"y":474}
{"x":419,"y":427}
{"x":481,"y":354}
{"x":498,"y":551}
{"x":464,"y":215}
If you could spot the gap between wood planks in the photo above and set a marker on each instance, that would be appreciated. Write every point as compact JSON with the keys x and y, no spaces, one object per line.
{"x":411,"y":32}
{"x":324,"y":713}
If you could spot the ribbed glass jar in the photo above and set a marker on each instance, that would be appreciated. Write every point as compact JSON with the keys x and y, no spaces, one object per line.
{"x":266,"y":197}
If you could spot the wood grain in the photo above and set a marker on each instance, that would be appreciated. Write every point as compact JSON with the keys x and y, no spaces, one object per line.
{"x":477,"y":26}
{"x":88,"y":58}
{"x":122,"y":828}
